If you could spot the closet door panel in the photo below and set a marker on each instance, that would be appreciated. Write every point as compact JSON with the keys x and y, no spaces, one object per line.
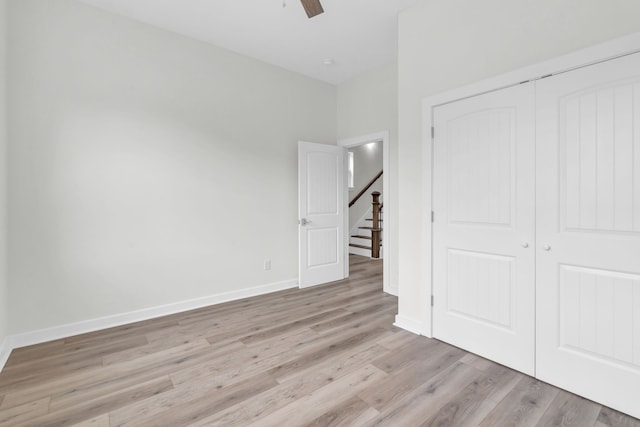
{"x":484,"y":225}
{"x":588,"y":232}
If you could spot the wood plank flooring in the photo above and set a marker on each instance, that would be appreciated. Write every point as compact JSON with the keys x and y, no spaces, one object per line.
{"x":324,"y":356}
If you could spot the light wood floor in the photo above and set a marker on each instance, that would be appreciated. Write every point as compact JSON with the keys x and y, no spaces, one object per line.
{"x":316,"y":357}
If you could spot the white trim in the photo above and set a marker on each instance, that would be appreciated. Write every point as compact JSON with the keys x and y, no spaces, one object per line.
{"x":64,"y":331}
{"x":364,"y":139}
{"x":427,"y":232}
{"x":598,"y":53}
{"x":5,"y":352}
{"x":581,"y":58}
{"x":386,"y":236}
{"x":409,"y":325}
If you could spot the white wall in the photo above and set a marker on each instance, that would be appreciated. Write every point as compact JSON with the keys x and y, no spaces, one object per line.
{"x":4,"y":306}
{"x":146,"y":168}
{"x":367,"y":164}
{"x":369,"y":104}
{"x":443,"y":45}
{"x":367,"y":161}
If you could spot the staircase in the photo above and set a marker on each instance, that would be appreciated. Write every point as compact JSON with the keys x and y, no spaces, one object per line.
{"x":366,"y":237}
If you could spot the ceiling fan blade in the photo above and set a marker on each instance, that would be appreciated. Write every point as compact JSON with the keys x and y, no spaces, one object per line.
{"x":312,"y":7}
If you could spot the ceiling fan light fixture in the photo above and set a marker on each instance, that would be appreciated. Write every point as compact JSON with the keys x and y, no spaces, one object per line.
{"x":312,"y":7}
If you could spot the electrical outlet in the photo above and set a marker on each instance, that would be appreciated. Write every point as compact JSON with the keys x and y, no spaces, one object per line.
{"x":267,"y":264}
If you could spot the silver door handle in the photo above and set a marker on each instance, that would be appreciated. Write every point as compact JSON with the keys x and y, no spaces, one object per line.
{"x":546,"y":247}
{"x":304,"y":221}
{"x":525,"y":244}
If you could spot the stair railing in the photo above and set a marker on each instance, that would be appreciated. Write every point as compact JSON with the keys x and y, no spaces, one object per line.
{"x":375,"y":227}
{"x":364,"y":190}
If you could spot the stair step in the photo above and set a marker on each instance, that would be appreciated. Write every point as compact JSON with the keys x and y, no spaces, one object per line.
{"x":370,"y":228}
{"x":371,"y":219}
{"x":360,"y":246}
{"x":360,"y":236}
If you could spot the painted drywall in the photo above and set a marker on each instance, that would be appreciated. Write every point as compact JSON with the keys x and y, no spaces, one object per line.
{"x":444,"y":45}
{"x":367,"y":161}
{"x":4,"y":292}
{"x":146,"y":168}
{"x":368,"y":104}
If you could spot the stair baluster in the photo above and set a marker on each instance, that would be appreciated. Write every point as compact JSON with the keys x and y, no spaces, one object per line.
{"x":375,"y":227}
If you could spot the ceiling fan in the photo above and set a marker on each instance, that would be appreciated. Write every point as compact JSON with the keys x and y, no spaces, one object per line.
{"x":312,"y":7}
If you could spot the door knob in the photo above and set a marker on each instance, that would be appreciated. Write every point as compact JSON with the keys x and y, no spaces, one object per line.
{"x":546,"y":247}
{"x":304,"y":221}
{"x":525,"y":244}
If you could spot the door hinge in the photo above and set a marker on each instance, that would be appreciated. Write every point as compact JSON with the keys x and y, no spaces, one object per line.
{"x":433,"y":132}
{"x":431,"y":300}
{"x":433,"y":216}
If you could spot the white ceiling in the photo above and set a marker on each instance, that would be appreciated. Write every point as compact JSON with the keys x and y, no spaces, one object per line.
{"x":358,"y":35}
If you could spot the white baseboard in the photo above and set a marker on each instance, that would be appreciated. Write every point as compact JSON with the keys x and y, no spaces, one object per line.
{"x":392,"y":291}
{"x":5,"y":352}
{"x":409,"y":325}
{"x":64,"y":331}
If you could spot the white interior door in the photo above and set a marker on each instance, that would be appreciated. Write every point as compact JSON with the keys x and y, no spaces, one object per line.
{"x":483,"y":233}
{"x":588,"y":262}
{"x":322,"y":217}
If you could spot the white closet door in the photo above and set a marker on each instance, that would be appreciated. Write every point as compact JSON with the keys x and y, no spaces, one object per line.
{"x":588,"y":232}
{"x":484,"y":225}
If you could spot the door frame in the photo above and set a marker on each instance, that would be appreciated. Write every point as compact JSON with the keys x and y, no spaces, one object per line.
{"x":591,"y":55}
{"x":382,"y":136}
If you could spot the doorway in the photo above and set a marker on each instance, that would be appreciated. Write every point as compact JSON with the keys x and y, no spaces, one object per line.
{"x":358,"y":141}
